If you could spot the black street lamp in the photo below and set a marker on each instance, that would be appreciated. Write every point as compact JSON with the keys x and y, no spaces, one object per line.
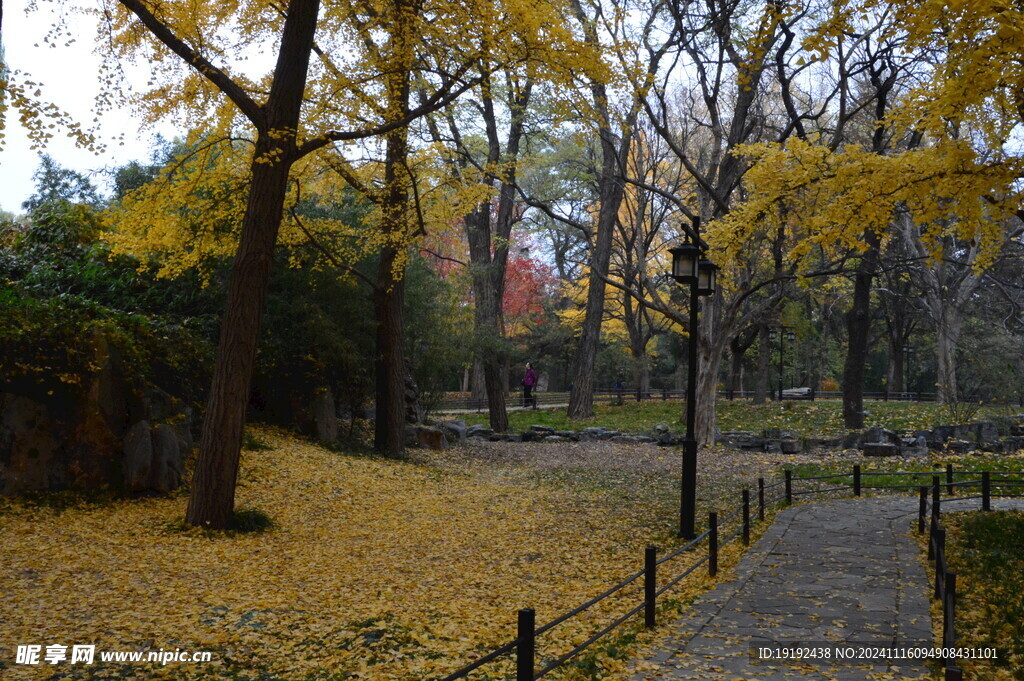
{"x":791,"y":337}
{"x":700,"y":274}
{"x":784,"y":333}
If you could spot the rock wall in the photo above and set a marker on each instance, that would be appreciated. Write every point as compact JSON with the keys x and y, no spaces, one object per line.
{"x":95,"y":434}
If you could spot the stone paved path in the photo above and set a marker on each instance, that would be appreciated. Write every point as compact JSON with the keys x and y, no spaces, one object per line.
{"x":843,"y":571}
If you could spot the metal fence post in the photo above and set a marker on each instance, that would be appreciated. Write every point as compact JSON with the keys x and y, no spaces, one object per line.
{"x":954,"y":674}
{"x":789,"y":487}
{"x":527,"y":648}
{"x":936,"y":496}
{"x":650,"y":584}
{"x":746,"y":517}
{"x":712,"y":544}
{"x":950,"y":489}
{"x":922,"y":509}
{"x":760,"y":499}
{"x":856,"y":480}
{"x":986,"y":491}
{"x":940,"y":562}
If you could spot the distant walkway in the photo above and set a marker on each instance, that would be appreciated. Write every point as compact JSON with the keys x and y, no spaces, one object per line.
{"x":843,"y":571}
{"x":483,"y":409}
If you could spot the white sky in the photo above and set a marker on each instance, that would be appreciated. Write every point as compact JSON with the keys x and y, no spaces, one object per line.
{"x":69,"y":78}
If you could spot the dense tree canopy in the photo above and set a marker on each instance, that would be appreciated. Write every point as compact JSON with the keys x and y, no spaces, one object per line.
{"x":431,"y":168}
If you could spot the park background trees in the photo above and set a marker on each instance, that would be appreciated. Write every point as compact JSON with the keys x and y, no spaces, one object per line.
{"x":851,"y":188}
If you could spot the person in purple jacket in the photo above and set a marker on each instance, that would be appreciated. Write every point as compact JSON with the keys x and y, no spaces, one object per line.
{"x":529,"y":381}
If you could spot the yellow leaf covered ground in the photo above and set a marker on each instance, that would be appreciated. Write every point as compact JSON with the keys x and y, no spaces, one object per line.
{"x":375,"y":570}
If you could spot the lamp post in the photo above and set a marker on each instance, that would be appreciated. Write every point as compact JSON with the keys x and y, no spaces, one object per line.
{"x":791,"y":337}
{"x":700,"y":274}
{"x":783,"y":333}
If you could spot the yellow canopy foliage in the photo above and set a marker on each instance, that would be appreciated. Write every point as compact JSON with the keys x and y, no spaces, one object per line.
{"x":827,"y":199}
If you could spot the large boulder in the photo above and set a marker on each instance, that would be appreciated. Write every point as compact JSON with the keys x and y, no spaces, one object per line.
{"x":532,"y":436}
{"x":985,"y":432}
{"x":137,"y":462}
{"x":880,"y":449}
{"x":168,"y":461}
{"x":455,"y":431}
{"x":183,"y":429}
{"x":30,"y":447}
{"x":79,"y":437}
{"x":742,"y":439}
{"x":880,"y":436}
{"x":108,"y":395}
{"x":1014,"y":443}
{"x":779,"y":434}
{"x":153,"y":459}
{"x":431,"y":438}
{"x":791,"y":446}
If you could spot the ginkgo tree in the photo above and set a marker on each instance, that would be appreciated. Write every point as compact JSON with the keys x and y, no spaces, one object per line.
{"x":315,"y":97}
{"x":941,"y":152}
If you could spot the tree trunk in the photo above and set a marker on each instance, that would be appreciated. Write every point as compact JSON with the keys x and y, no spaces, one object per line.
{"x":735,"y":368}
{"x":633,"y":320}
{"x":641,"y":370}
{"x":581,"y":401}
{"x":858,"y":327}
{"x":486,"y":311}
{"x":894,"y":371}
{"x":764,"y":362}
{"x":948,"y":324}
{"x":211,"y":503}
{"x":389,"y":365}
{"x":389,"y":432}
{"x":478,"y":389}
{"x":710,"y":351}
{"x":488,"y":268}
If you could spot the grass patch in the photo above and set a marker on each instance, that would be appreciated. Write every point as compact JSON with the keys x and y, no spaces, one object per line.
{"x":921,"y":471}
{"x":820,"y":418}
{"x":986,"y":550}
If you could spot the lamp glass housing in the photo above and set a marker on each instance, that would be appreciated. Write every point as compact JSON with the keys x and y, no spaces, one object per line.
{"x":684,"y":262}
{"x":706,"y":277}
{"x":791,"y":335}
